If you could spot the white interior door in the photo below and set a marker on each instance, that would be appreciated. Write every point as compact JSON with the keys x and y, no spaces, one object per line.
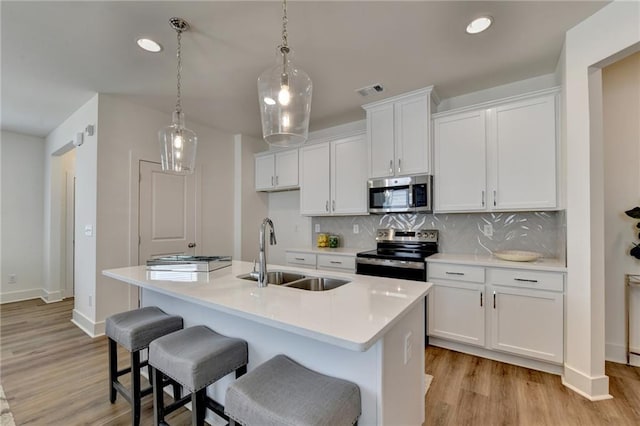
{"x":167,"y":213}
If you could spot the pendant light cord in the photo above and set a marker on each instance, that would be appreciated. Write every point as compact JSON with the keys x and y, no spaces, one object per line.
{"x":285,"y":42}
{"x":179,"y":67}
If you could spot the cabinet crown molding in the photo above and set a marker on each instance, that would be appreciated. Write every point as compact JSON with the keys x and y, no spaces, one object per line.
{"x":430,"y":90}
{"x":497,"y":102}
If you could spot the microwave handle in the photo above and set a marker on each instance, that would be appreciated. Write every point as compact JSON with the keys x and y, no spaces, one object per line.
{"x":411,"y":196}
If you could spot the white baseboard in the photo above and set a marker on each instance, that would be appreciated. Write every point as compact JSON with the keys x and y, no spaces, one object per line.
{"x":594,"y":388}
{"x":93,"y":329}
{"x":618,"y":353}
{"x":19,"y":295}
{"x":497,"y":356}
{"x":51,"y":296}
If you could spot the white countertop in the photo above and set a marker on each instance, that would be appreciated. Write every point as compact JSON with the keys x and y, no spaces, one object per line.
{"x":338,"y":251}
{"x":353,"y":316}
{"x":553,"y":265}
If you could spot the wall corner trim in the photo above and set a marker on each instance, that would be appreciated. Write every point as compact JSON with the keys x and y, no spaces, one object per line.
{"x":593,"y":388}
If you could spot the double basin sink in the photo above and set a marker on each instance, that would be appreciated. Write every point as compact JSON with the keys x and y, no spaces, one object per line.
{"x":296,"y":280}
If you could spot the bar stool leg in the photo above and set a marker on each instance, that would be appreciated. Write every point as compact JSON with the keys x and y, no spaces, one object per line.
{"x":158,"y":398}
{"x":198,"y":406}
{"x":113,"y":370}
{"x":135,"y":388}
{"x":177,"y":391}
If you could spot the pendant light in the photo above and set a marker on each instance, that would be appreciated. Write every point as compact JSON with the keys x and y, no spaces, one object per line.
{"x":177,"y":143}
{"x":284,"y":93}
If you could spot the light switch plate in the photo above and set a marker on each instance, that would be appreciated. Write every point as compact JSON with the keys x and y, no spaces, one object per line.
{"x":88,"y":230}
{"x":356,"y":228}
{"x":317,"y":227}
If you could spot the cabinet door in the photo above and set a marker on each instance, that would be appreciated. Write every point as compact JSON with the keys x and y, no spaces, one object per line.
{"x":460,"y":162}
{"x":265,"y":172}
{"x":349,"y":175}
{"x":525,"y":159}
{"x":286,"y":169}
{"x":456,"y":312}
{"x":380,"y":136}
{"x":412,"y":136}
{"x":314,"y":180}
{"x":527,"y":322}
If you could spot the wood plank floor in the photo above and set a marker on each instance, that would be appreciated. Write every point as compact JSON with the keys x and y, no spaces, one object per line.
{"x":54,"y":374}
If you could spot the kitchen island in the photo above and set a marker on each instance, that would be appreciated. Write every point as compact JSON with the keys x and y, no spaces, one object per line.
{"x":369,"y":331}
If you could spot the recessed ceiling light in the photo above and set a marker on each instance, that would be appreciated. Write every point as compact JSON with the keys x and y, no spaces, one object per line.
{"x":149,"y":45}
{"x":480,"y":24}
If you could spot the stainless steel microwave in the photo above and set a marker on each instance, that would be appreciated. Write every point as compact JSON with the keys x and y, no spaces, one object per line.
{"x":406,"y":194}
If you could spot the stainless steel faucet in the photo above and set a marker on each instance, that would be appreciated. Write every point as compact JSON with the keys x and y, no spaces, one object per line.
{"x":262,"y":257}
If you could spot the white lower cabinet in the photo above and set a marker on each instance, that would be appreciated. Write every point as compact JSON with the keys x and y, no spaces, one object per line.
{"x":329,"y":262}
{"x":514,"y":311}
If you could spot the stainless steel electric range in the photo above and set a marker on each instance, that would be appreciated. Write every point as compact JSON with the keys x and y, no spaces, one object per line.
{"x":399,"y":254}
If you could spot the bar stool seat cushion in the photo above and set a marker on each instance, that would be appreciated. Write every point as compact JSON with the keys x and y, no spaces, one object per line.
{"x":197,"y":356}
{"x":283,"y":392}
{"x":135,"y":329}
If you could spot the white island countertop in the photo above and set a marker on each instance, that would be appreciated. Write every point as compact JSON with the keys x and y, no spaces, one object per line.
{"x":353,"y":316}
{"x":543,"y":264}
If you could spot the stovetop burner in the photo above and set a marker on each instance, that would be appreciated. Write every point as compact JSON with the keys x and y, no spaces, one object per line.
{"x":395,"y":244}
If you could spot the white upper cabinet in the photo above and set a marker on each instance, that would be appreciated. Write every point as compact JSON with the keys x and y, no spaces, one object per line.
{"x":333,"y":177}
{"x":501,"y":156}
{"x":277,"y":170}
{"x":460,"y":168}
{"x":398,"y":134}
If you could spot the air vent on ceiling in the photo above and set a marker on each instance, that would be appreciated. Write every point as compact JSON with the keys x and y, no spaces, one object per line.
{"x":370,"y":90}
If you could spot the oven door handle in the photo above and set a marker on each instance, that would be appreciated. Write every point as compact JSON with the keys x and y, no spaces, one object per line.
{"x":391,"y":263}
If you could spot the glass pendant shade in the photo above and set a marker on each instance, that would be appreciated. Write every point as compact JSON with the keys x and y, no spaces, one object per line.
{"x":285,"y":102}
{"x":178,"y":146}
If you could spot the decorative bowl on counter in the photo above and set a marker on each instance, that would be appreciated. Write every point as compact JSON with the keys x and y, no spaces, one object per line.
{"x":517,"y":255}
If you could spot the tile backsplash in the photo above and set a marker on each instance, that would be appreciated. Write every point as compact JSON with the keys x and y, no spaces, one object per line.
{"x":461,"y":233}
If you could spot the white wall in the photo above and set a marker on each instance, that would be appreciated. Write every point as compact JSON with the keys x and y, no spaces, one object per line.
{"x":22,"y":192}
{"x":621,"y":107}
{"x":59,"y":142}
{"x":292,"y":229}
{"x":609,"y":31}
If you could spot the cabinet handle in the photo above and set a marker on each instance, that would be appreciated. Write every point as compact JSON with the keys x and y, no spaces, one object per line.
{"x":483,"y":198}
{"x":299,"y":258}
{"x":277,"y":180}
{"x":326,"y":205}
{"x":481,"y":300}
{"x":390,"y":167}
{"x":525,"y":280}
{"x":399,"y":165}
{"x":454,"y":273}
{"x":495,"y":203}
{"x":335,"y":262}
{"x":333,"y":205}
{"x":494,"y":300}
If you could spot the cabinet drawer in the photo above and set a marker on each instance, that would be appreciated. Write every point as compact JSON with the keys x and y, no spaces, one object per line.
{"x":449,"y":271}
{"x":542,"y":280}
{"x":336,"y":262}
{"x":298,"y":258}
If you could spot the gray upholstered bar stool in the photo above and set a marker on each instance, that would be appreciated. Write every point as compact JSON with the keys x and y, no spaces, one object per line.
{"x":194,"y":357}
{"x":283,"y":392}
{"x":134,"y":330}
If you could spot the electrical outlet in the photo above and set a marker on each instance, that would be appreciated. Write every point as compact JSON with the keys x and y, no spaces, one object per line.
{"x":408,"y":347}
{"x":317,"y":227}
{"x":90,"y":301}
{"x":13,"y":278}
{"x":356,"y":228}
{"x":488,"y":230}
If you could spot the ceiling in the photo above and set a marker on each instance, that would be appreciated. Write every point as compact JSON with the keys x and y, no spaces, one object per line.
{"x":56,"y":55}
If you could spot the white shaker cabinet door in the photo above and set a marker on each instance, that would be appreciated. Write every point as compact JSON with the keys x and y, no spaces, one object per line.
{"x":460,"y":162}
{"x":380,"y":130}
{"x":315,"y":197}
{"x":527,"y":322}
{"x":456,"y":312}
{"x":286,"y":169}
{"x":412,"y":136}
{"x":265,"y":172}
{"x":525,"y":155}
{"x":349,"y":175}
